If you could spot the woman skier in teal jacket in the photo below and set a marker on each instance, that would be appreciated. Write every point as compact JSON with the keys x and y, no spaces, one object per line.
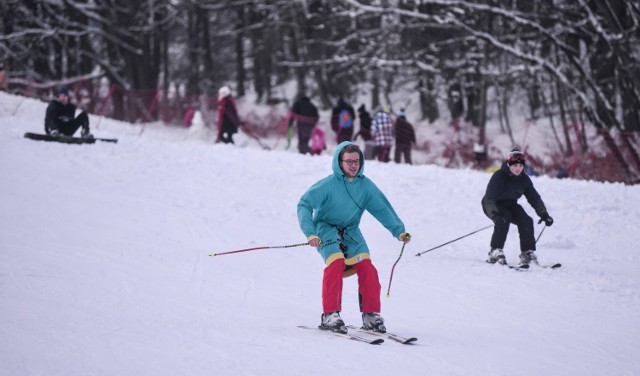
{"x":329,"y":214}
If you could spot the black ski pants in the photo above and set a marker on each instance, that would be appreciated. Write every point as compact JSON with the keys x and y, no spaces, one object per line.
{"x":68,"y":128}
{"x":512,"y":212}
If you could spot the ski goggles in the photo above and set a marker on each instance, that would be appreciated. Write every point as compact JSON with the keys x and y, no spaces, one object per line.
{"x":516,"y":157}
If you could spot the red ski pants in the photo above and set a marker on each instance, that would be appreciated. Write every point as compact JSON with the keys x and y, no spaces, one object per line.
{"x":368,"y":286}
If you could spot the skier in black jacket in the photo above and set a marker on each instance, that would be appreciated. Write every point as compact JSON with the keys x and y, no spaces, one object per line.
{"x":500,"y":204}
{"x":305,"y":113}
{"x":60,"y":118}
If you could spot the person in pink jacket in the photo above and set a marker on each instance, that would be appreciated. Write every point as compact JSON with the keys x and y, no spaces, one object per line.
{"x":317,"y":141}
{"x":228,"y":120}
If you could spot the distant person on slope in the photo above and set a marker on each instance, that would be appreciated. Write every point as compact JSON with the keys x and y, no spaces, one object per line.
{"x":329,"y":214}
{"x":500,"y":204}
{"x":382,"y":131}
{"x":228,"y":120}
{"x":60,"y":117}
{"x":405,"y":138}
{"x":305,"y":114}
{"x":343,"y":119}
{"x":318,"y":143}
{"x":365,"y":132}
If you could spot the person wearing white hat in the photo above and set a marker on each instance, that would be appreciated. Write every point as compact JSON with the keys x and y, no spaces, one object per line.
{"x":228,"y":120}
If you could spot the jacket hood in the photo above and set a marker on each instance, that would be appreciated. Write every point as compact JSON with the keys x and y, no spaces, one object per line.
{"x":337,"y":171}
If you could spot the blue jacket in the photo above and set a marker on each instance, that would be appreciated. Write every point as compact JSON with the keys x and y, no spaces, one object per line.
{"x":334,"y":205}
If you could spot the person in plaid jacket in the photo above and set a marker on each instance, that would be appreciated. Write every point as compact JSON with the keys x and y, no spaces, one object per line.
{"x":382,"y":131}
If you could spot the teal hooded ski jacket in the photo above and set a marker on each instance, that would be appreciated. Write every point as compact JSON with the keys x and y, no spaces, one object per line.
{"x":332,"y":208}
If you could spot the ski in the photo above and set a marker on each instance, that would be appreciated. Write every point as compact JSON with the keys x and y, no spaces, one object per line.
{"x":526,"y":267}
{"x":371,"y":341}
{"x":391,"y":336}
{"x":517,"y":267}
{"x":514,"y":267}
{"x":549,"y":266}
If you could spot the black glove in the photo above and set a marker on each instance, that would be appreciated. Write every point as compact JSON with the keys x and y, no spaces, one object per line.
{"x":546,"y":218}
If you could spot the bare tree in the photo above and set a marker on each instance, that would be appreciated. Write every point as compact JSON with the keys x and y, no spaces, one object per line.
{"x":576,"y":61}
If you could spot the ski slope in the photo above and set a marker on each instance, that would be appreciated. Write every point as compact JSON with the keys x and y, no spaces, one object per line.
{"x":105,"y":266}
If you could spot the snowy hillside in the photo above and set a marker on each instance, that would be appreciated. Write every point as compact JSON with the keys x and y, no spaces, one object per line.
{"x":105,"y":266}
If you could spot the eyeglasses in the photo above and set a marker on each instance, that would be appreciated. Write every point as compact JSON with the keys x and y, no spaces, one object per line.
{"x":351,"y":162}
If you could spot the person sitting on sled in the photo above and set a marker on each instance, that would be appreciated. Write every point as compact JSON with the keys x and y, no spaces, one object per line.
{"x":60,"y":119}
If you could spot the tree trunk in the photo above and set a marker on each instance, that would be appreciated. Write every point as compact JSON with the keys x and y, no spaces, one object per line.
{"x":240,"y":71}
{"x":563,"y":119}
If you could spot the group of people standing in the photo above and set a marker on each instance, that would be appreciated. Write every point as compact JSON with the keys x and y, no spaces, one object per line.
{"x":379,"y":132}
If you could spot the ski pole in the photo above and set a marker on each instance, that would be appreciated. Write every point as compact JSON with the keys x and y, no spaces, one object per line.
{"x":454,"y":240}
{"x":394,"y":266}
{"x":538,"y":238}
{"x":257,"y":248}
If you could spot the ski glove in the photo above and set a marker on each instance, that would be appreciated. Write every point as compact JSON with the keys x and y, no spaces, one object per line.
{"x":405,"y":237}
{"x":546,"y":218}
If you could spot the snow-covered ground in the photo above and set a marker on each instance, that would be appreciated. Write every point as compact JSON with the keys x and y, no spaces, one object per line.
{"x":105,"y":266}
